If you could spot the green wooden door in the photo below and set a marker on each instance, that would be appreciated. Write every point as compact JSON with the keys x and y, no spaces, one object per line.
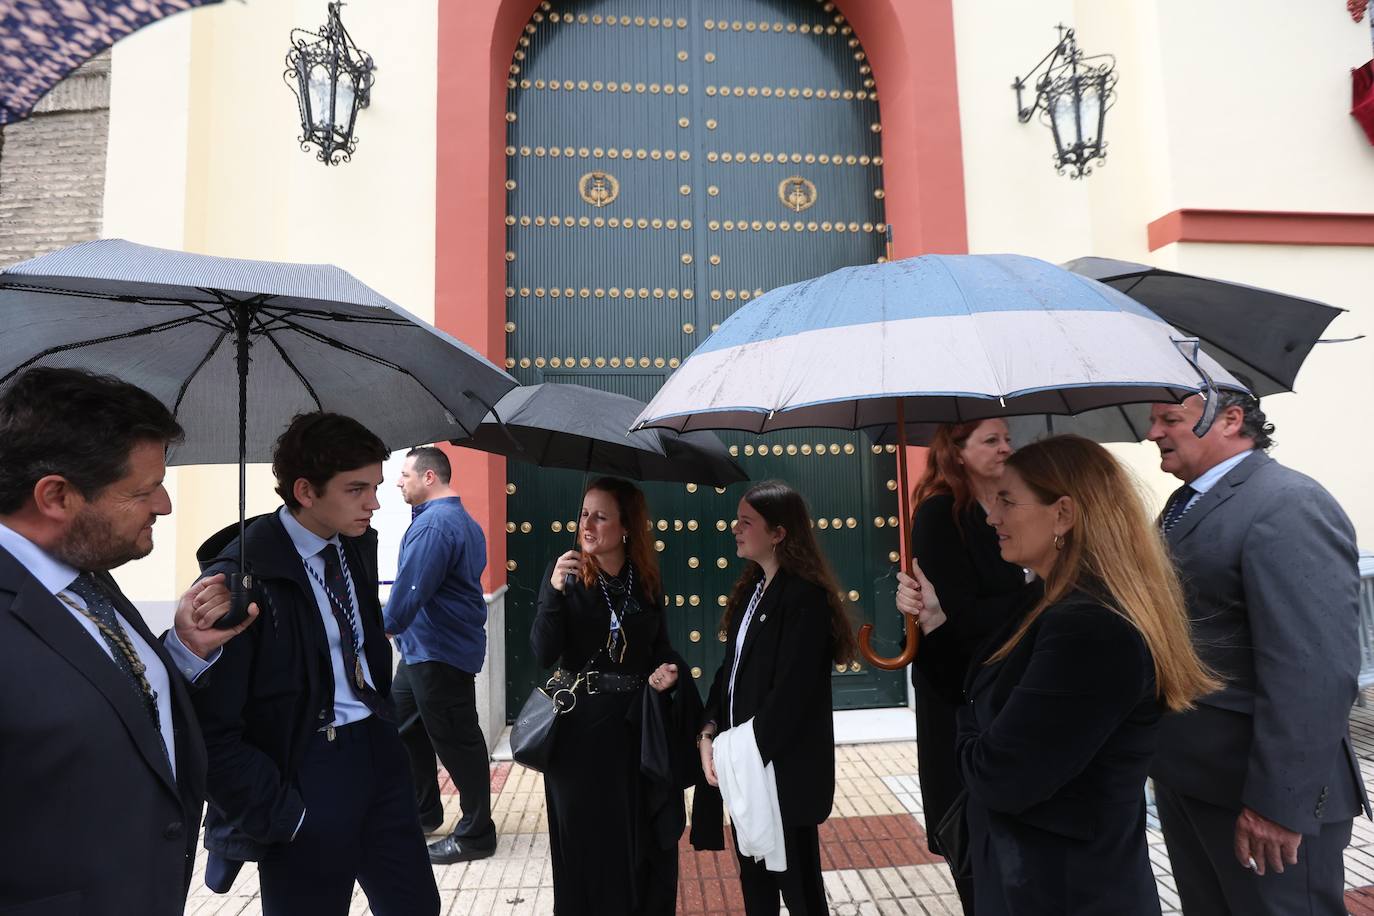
{"x":668,"y":161}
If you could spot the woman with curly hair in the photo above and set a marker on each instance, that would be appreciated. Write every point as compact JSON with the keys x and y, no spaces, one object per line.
{"x":601,"y":614}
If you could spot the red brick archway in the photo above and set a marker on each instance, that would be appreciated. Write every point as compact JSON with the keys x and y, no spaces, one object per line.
{"x":911,"y":48}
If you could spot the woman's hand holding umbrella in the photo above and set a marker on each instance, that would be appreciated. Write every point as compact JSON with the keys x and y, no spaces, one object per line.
{"x":568,"y":566}
{"x":916,"y":598}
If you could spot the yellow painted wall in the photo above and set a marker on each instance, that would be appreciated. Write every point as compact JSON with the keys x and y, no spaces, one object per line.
{"x":1217,"y":107}
{"x":203,"y":156}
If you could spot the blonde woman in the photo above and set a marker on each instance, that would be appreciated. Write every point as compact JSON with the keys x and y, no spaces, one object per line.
{"x":1061,"y":720}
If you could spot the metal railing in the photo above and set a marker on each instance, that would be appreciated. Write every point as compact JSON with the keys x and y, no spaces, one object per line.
{"x":1366,"y":622}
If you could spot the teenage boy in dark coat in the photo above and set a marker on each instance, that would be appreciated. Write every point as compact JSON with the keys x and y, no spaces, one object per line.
{"x":307,"y":775}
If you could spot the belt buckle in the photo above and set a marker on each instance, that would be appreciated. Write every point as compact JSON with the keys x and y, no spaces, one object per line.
{"x":593,"y":678}
{"x":330,"y":733}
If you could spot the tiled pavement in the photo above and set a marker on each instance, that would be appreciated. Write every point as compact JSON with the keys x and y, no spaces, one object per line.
{"x":872,"y":849}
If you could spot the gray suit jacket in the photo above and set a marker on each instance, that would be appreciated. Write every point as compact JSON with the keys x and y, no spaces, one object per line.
{"x":1270,"y":568}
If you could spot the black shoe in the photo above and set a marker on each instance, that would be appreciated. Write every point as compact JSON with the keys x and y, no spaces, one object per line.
{"x":451,"y":849}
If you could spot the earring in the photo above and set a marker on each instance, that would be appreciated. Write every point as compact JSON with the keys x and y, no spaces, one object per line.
{"x":1059,"y":542}
{"x":624,"y":539}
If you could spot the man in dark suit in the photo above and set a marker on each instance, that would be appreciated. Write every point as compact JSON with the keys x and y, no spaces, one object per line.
{"x":1258,"y":786}
{"x":102,"y":761}
{"x":307,"y":775}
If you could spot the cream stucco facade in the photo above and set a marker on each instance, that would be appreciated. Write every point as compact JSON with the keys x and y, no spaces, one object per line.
{"x":1217,"y":107}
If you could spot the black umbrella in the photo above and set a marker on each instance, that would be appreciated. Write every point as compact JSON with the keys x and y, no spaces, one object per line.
{"x":585,"y":429}
{"x":187,"y":327}
{"x":1259,"y":333}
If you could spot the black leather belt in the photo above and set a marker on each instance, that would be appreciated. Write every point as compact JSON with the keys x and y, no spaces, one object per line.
{"x":600,"y":681}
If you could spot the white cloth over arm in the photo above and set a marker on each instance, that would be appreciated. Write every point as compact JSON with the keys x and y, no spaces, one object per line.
{"x":750,"y":792}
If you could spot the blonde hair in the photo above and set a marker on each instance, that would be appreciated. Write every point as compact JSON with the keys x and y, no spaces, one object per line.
{"x":1115,"y":546}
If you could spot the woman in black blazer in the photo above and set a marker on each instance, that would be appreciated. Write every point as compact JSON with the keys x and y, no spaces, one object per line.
{"x":600,"y":609}
{"x":785,"y":627}
{"x":1061,"y":720}
{"x":979,"y":592}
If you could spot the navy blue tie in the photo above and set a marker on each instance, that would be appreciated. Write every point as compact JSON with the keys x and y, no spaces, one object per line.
{"x":1176,"y":507}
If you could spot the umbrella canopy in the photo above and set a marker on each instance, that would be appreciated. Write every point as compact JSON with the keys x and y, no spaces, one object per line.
{"x":1258,"y":332}
{"x":42,"y":41}
{"x":584,"y":429}
{"x":955,"y":337}
{"x":933,"y":339}
{"x":316,"y":339}
{"x":186,"y":327}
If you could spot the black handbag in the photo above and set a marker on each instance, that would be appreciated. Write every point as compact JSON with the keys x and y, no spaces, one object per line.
{"x":532,"y":735}
{"x":951,"y":835}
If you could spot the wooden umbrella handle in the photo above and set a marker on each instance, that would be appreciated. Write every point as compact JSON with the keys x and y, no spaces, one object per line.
{"x":913,"y":632}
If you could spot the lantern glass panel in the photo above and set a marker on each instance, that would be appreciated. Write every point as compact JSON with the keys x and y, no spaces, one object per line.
{"x":1089,"y":110}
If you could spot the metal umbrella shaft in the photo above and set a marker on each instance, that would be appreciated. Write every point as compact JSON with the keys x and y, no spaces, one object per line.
{"x":242,"y":585}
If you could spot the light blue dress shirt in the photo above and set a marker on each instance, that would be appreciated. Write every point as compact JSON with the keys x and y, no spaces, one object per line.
{"x":56,"y":576}
{"x":347,"y":707}
{"x":1212,"y":476}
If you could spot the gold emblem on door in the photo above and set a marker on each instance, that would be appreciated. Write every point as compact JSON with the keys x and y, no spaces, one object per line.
{"x":796,"y":193}
{"x":598,"y":188}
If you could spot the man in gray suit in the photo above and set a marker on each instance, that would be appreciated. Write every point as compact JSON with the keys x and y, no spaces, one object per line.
{"x":1258,"y":786}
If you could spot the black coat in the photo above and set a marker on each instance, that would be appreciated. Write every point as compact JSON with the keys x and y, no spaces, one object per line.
{"x":270,"y":691}
{"x":613,"y":785}
{"x":1054,"y":745}
{"x":979,"y":592}
{"x":90,"y":816}
{"x":783,"y":684}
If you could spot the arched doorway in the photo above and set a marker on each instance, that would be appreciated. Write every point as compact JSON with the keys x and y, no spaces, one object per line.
{"x":667,"y":162}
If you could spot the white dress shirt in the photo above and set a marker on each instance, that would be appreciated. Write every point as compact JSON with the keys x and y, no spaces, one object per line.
{"x":739,"y":640}
{"x":347,"y":707}
{"x":56,"y":576}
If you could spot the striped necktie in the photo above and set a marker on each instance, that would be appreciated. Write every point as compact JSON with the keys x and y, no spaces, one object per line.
{"x":100,"y":609}
{"x":1177,"y":507}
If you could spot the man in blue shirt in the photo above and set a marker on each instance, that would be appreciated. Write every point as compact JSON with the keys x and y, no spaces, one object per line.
{"x":439,"y":617}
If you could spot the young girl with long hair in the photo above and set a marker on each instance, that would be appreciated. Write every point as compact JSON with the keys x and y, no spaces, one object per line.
{"x":785,"y":626}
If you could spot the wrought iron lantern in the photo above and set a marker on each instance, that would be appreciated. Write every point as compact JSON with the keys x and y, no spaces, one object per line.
{"x":332,"y":80}
{"x":1072,"y":95}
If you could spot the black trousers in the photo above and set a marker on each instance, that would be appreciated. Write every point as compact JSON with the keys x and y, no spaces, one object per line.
{"x":436,"y":705}
{"x":360,"y":824}
{"x":938,"y":769}
{"x":1201,"y":840}
{"x":800,"y":886}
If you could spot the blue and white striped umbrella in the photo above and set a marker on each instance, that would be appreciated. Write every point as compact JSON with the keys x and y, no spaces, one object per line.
{"x":953,"y":337}
{"x":934,"y":339}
